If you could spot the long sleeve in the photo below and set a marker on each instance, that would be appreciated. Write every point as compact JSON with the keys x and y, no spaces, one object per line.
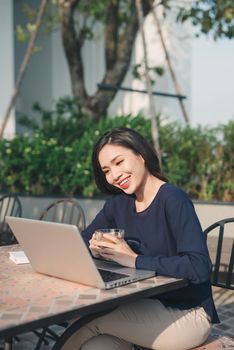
{"x":190,"y":259}
{"x":102,"y":220}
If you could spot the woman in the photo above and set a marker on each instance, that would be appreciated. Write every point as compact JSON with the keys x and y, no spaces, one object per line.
{"x":162,"y":218}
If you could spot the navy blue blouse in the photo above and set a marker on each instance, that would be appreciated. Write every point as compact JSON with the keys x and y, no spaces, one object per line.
{"x":172,"y":243}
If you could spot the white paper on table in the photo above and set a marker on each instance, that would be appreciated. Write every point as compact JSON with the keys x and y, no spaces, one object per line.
{"x":18,"y":257}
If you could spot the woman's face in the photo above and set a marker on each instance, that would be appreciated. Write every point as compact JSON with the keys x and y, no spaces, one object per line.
{"x":123,"y":168}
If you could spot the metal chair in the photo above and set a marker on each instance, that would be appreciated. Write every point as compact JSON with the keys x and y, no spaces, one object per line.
{"x":222,"y":276}
{"x":223,"y":259}
{"x":66,"y":211}
{"x":10,"y":205}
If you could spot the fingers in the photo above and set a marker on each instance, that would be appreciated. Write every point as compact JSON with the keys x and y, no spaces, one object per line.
{"x":97,"y":246}
{"x":108,"y":254}
{"x":111,"y":242}
{"x":102,"y":252}
{"x":112,"y":248}
{"x":106,"y":245}
{"x":95,"y":250}
{"x":110,"y":238}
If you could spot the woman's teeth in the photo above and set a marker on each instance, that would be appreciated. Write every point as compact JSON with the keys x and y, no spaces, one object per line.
{"x":124,"y":183}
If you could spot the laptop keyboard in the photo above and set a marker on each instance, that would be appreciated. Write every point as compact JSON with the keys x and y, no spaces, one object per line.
{"x":109,"y":276}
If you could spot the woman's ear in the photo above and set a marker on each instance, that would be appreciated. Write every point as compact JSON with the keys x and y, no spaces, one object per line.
{"x":143,"y":160}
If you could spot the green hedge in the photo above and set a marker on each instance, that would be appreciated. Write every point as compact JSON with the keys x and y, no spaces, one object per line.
{"x":56,"y":158}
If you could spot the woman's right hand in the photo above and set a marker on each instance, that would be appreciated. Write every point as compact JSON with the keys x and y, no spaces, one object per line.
{"x":93,"y":246}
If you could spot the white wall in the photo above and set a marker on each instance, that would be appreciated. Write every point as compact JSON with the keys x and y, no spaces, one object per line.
{"x":212,"y":81}
{"x":6,"y":62}
{"x":179,"y":48}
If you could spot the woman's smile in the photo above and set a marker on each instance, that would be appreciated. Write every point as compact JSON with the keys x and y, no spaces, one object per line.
{"x":124,"y":183}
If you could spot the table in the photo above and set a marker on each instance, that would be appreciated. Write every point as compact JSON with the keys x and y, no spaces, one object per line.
{"x":29,"y":300}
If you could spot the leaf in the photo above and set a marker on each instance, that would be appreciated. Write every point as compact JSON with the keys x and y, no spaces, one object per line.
{"x":159,"y":70}
{"x":31,"y":27}
{"x":21,"y":34}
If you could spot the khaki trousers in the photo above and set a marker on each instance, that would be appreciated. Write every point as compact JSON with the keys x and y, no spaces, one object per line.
{"x":147,"y":323}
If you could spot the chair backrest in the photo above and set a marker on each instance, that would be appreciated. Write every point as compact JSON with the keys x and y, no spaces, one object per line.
{"x":66,"y":211}
{"x":10,"y":205}
{"x":221,"y":249}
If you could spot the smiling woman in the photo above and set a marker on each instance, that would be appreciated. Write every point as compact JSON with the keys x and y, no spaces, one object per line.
{"x":126,"y":170}
{"x":161,"y":218}
{"x":118,"y":146}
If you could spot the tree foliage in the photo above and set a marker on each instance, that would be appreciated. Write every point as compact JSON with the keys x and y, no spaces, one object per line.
{"x":211,"y":16}
{"x":56,"y":159}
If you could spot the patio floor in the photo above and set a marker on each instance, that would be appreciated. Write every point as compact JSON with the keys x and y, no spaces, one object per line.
{"x":224,"y":301}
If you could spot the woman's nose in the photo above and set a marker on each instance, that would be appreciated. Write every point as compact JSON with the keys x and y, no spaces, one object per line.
{"x":116,"y":174}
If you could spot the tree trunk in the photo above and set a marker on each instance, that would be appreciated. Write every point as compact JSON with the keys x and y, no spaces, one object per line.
{"x":154,"y":126}
{"x":118,"y":50}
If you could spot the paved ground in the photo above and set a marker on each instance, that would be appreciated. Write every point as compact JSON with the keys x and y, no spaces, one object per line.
{"x":224,"y":300}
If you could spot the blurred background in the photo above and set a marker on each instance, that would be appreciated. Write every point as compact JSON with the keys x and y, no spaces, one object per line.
{"x":72,"y":69}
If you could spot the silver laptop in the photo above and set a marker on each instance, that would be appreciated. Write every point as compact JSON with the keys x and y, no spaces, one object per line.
{"x":58,"y":250}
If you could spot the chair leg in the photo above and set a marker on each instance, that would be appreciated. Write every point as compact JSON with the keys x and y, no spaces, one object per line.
{"x":8,"y":344}
{"x":41,"y":339}
{"x":44,"y":335}
{"x":52,"y":334}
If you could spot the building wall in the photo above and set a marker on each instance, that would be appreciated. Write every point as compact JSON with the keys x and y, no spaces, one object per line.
{"x":208,"y":213}
{"x":6,"y":62}
{"x":179,"y":50}
{"x":37,"y":83}
{"x":212,"y":81}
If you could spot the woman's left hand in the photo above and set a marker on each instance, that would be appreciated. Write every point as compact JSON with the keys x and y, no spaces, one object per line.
{"x":116,"y":249}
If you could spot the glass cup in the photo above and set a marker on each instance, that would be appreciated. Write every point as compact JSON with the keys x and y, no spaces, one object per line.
{"x":102,"y":234}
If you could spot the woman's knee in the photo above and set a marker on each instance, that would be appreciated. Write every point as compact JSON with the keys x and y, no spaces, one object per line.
{"x":186,"y":332}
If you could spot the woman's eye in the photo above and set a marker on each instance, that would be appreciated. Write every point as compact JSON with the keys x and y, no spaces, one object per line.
{"x":119,"y":162}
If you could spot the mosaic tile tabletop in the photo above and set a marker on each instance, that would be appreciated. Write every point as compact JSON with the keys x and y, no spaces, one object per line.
{"x":26,"y":295}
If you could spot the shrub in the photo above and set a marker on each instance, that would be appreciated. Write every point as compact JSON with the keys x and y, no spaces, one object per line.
{"x":56,"y":158}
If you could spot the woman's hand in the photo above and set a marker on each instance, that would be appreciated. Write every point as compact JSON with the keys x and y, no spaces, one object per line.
{"x":94,"y":247}
{"x":114,"y":249}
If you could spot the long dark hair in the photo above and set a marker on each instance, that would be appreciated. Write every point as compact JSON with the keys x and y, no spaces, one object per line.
{"x":130,"y":139}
